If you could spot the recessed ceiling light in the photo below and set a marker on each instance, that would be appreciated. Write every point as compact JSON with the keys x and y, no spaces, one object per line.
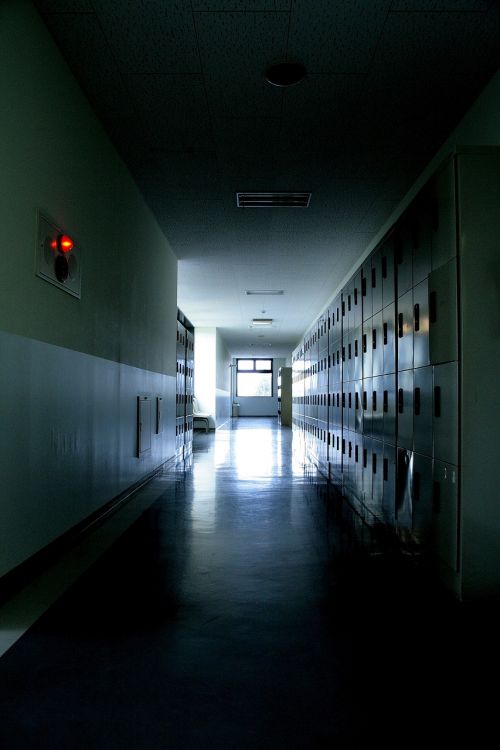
{"x":286,"y":199}
{"x":264,"y":291}
{"x":285,"y":73}
{"x":262,"y":321}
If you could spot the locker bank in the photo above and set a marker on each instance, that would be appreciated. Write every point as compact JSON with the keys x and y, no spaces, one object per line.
{"x":198,"y":197}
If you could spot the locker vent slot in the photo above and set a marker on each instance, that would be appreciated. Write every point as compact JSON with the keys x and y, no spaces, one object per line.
{"x":273,"y":200}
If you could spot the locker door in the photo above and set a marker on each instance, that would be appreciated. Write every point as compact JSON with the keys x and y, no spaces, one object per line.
{"x":443,"y":338}
{"x":421,"y":324}
{"x":389,"y":484}
{"x":404,"y":479}
{"x":367,"y":347}
{"x":366,"y":405}
{"x":389,"y":408}
{"x":366,"y":289}
{"x":357,"y":346}
{"x":405,"y":409}
{"x":445,"y":513}
{"x":445,"y":412}
{"x":378,"y":407}
{"x":444,"y":238}
{"x":358,"y":406}
{"x":422,"y":499}
{"x":377,"y":464}
{"x":423,"y":238}
{"x":403,"y":255}
{"x":387,"y":270}
{"x":366,"y":467}
{"x":376,"y":281}
{"x":422,"y":410}
{"x":377,"y":345}
{"x":405,"y":331}
{"x":389,"y":338}
{"x":357,"y":301}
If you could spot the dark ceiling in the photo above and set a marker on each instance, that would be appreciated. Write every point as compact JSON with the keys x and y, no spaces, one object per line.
{"x":179,"y":86}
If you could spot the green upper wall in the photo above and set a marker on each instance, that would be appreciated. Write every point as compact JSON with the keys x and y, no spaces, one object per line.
{"x":56,"y":157}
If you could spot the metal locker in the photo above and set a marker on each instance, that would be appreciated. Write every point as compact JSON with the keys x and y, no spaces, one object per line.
{"x":422,"y":499}
{"x":389,"y":484}
{"x":404,"y":329}
{"x":423,"y":238}
{"x":351,"y":403}
{"x":348,"y":345}
{"x":389,"y":407}
{"x":376,"y":281}
{"x":403,"y":254}
{"x":404,"y":480}
{"x":377,"y":466}
{"x":422,"y":410}
{"x":387,"y":270}
{"x":358,"y":468}
{"x":389,"y":338}
{"x":377,"y":344}
{"x":357,"y":303}
{"x":367,"y":347}
{"x":366,"y":290}
{"x":443,"y":338}
{"x":444,"y":537}
{"x":357,"y":350}
{"x":358,"y":406}
{"x":421,"y":324}
{"x":444,"y":237}
{"x":366,"y":471}
{"x":445,"y":412}
{"x":378,"y":407}
{"x":404,"y":405}
{"x":366,"y":405}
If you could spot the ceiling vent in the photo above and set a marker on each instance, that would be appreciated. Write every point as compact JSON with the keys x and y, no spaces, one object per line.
{"x":273,"y":292}
{"x":262,"y":322}
{"x":273,"y":200}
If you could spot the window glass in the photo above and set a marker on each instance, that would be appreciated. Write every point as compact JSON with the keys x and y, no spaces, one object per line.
{"x":254,"y":377}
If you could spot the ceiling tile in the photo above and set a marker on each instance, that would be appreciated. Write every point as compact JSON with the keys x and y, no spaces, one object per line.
{"x":336,"y":37}
{"x":240,"y":45}
{"x":173,"y":110}
{"x":150,"y":36}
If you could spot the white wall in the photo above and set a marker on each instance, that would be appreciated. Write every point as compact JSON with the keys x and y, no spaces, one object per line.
{"x":223,"y":382}
{"x":212,"y":375}
{"x":261,"y":406}
{"x":71,"y":369}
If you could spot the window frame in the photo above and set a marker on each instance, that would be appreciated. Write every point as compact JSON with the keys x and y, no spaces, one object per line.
{"x":254,"y":370}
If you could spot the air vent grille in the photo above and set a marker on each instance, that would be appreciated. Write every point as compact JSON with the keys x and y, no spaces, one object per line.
{"x":273,"y":200}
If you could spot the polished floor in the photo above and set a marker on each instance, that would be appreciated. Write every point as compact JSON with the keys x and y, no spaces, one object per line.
{"x":249,"y":608}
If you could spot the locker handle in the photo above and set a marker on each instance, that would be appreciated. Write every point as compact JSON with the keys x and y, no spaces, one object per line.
{"x":374,"y":401}
{"x":343,"y":400}
{"x":349,"y":303}
{"x":356,"y":400}
{"x":350,"y":400}
{"x":363,"y":286}
{"x":432,"y":307}
{"x":386,"y":401}
{"x":355,"y":347}
{"x":365,"y":401}
{"x":350,"y":449}
{"x":374,"y":278}
{"x":343,"y":307}
{"x":374,"y":338}
{"x":400,"y":325}
{"x":385,"y":334}
{"x":365,"y":458}
{"x":437,"y":401}
{"x":384,"y":266}
{"x":349,"y":351}
{"x":364,"y":343}
{"x":400,"y":400}
{"x":374,"y":463}
{"x":355,"y":295}
{"x":356,"y":454}
{"x":416,"y":402}
{"x":416,"y":313}
{"x":386,"y":469}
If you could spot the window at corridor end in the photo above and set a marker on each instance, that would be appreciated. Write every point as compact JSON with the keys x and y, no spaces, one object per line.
{"x":254,"y":377}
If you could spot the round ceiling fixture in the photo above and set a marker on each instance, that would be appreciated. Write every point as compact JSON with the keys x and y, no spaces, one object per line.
{"x":285,"y":73}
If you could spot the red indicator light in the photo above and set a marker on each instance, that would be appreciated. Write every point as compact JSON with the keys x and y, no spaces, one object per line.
{"x":63,"y":243}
